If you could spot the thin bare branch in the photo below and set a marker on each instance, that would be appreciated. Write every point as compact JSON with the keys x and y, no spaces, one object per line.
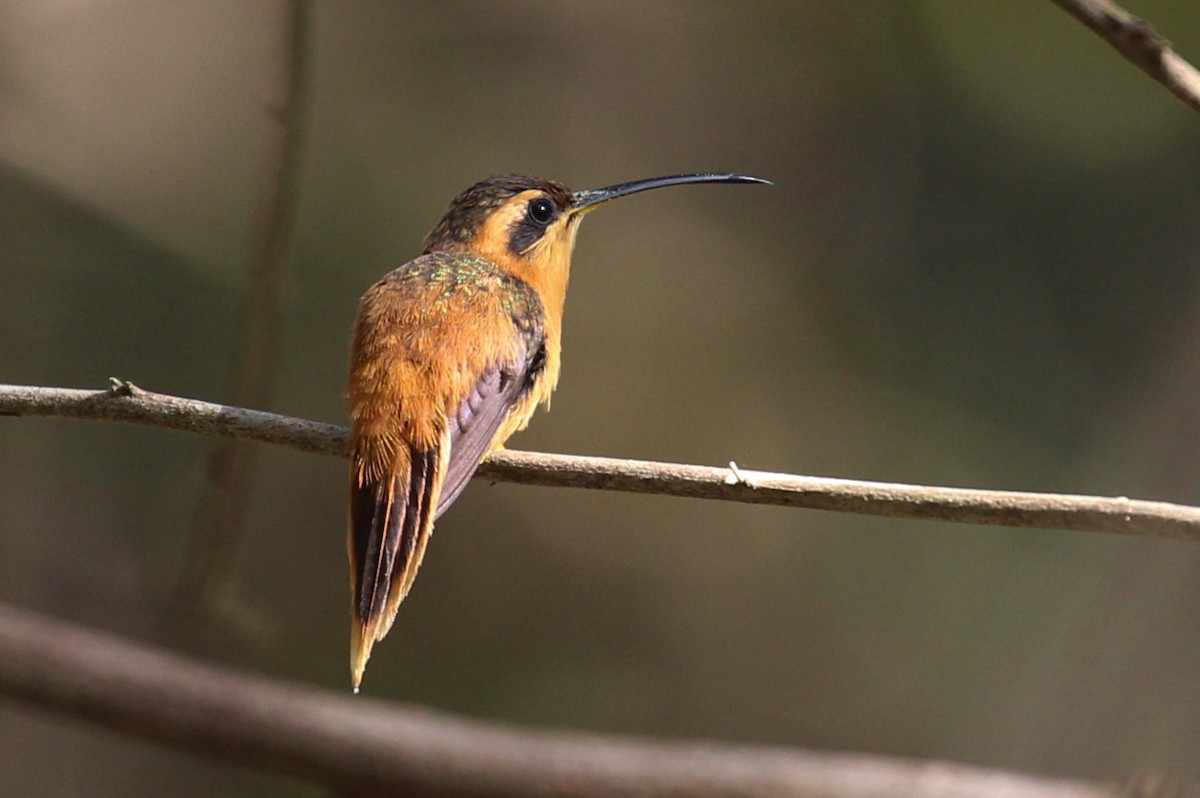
{"x":124,"y":401}
{"x":1119,"y":515}
{"x":361,"y":746}
{"x":1136,"y":40}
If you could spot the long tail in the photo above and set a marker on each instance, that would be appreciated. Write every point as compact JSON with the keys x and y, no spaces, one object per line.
{"x":391,"y":518}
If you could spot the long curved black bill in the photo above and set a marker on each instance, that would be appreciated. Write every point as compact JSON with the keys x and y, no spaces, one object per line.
{"x":591,"y":197}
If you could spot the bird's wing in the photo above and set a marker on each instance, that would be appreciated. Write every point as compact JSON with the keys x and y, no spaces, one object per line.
{"x":480,"y":415}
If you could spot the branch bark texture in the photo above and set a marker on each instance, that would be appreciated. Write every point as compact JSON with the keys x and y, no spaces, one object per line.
{"x":1137,"y":40}
{"x":363,"y":747}
{"x":1120,"y":515}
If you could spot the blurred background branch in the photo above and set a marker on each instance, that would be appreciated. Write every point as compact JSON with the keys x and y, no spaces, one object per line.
{"x":1121,"y":515}
{"x":206,"y":588}
{"x":1137,"y":40}
{"x":359,"y":746}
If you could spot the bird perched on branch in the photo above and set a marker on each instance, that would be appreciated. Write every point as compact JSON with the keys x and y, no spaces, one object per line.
{"x":452,"y":353}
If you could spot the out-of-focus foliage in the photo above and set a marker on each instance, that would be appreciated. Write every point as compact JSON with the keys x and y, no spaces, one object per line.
{"x":978,"y":267}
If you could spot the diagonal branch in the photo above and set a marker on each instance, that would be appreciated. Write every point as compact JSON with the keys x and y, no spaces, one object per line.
{"x":1136,"y":40}
{"x":1119,"y":515}
{"x":364,"y":747}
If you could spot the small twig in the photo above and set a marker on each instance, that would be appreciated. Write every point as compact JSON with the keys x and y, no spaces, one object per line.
{"x":1004,"y":508}
{"x":364,"y":747}
{"x":1136,"y":40}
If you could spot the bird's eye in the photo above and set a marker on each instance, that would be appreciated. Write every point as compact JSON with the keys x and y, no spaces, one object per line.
{"x":541,"y":211}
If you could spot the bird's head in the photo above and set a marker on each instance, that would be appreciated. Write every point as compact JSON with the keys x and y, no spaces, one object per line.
{"x":527,"y":225}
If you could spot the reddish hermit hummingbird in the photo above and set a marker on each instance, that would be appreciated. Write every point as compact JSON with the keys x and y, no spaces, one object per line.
{"x":452,"y":353}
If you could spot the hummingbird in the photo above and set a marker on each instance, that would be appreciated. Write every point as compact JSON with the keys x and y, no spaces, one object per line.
{"x":452,"y":353}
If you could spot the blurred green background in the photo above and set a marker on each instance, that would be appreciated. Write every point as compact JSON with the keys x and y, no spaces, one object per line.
{"x":978,"y":267}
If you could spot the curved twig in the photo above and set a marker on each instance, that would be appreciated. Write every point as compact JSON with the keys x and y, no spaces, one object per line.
{"x":126,"y":402}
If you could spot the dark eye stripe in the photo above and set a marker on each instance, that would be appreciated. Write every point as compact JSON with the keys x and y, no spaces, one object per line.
{"x":540,"y":213}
